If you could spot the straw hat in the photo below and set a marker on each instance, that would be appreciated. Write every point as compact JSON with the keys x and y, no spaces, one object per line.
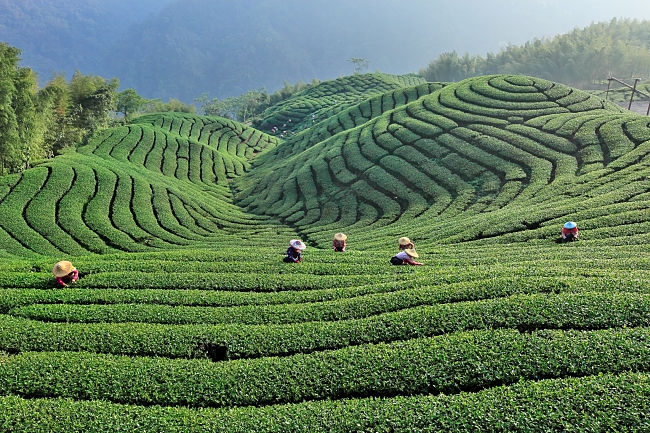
{"x":340,"y":237}
{"x":297,"y":244}
{"x":411,"y":252}
{"x":62,"y":268}
{"x":404,"y":241}
{"x":570,"y":225}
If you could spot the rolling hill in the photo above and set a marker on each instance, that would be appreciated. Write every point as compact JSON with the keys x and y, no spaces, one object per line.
{"x":185,"y":318}
{"x":503,"y":158}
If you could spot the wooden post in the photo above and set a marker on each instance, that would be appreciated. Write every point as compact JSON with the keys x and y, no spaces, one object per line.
{"x":636,"y":80}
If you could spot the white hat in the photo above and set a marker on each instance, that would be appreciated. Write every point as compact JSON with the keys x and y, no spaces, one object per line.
{"x":297,"y":244}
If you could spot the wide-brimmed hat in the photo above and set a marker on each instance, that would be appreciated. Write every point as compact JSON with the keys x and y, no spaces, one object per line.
{"x":297,"y":244}
{"x":404,"y":240}
{"x":570,"y":225}
{"x":340,"y":237}
{"x":62,"y":268}
{"x":411,"y":252}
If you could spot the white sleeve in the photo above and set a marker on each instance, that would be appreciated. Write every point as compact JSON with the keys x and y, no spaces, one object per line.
{"x":402,"y":255}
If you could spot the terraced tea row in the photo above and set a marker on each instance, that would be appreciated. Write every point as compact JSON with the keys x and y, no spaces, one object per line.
{"x":489,"y":151}
{"x":78,"y":204}
{"x":196,"y":148}
{"x":593,"y":402}
{"x":329,"y":98}
{"x":333,"y":330}
{"x":470,"y":361}
{"x":170,"y":334}
{"x":348,"y":119}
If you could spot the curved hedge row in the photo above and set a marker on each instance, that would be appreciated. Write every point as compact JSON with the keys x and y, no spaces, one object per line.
{"x":603,"y":402}
{"x":306,"y":108}
{"x":489,"y":147}
{"x":578,"y":310}
{"x":469,"y":361}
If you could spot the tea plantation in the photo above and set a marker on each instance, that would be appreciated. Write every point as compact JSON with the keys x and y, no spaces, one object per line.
{"x":186,"y":319}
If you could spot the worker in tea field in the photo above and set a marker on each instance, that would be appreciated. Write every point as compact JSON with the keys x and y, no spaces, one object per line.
{"x":405,"y":244}
{"x":294,"y":252}
{"x":338,"y":243}
{"x":65,"y":273}
{"x":405,"y":258}
{"x":569,"y":232}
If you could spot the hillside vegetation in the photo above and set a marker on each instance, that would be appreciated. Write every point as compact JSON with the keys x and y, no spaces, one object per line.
{"x":582,"y":58}
{"x":493,"y":159}
{"x":186,"y":319}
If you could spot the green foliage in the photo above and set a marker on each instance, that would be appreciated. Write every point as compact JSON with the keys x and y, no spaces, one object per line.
{"x":128,"y":102}
{"x":607,"y":401}
{"x":581,"y":58}
{"x":18,"y":114}
{"x":314,"y":104}
{"x":186,"y":315}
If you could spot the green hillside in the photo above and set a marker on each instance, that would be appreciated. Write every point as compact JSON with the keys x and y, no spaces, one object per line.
{"x":329,"y":98}
{"x":158,"y":183}
{"x":186,"y":319}
{"x":493,"y":159}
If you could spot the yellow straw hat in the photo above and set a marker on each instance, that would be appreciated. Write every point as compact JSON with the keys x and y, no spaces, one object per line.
{"x":404,"y":241}
{"x":62,"y":268}
{"x":340,"y":237}
{"x":411,"y":252}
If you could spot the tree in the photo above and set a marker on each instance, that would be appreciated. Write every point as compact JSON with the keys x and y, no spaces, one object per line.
{"x":360,"y":64}
{"x":93,"y":99}
{"x":59,"y":116}
{"x":9,"y":135}
{"x":29,"y":136}
{"x":239,"y":108}
{"x":128,"y":102}
{"x":249,"y":103}
{"x":158,"y":106}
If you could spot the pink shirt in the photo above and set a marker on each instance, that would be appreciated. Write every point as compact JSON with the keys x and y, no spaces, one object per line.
{"x":73,"y":278}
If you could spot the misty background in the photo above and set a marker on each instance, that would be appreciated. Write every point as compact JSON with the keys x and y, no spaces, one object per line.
{"x":184,"y":48}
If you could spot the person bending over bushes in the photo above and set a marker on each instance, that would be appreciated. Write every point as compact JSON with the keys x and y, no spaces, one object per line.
{"x":405,"y":258}
{"x":570,"y":232}
{"x":294,"y":252}
{"x":65,"y":273}
{"x":338,"y":243}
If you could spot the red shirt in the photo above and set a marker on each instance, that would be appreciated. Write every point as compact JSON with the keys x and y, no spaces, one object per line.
{"x":573,"y":231}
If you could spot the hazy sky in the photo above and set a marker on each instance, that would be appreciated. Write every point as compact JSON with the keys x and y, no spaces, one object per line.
{"x":482,"y":26}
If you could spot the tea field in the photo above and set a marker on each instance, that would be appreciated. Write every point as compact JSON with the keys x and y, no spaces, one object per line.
{"x":186,"y":319}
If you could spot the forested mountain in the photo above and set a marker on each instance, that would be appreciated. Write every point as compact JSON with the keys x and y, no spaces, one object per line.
{"x":578,"y":58}
{"x":64,"y":35}
{"x":184,"y":48}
